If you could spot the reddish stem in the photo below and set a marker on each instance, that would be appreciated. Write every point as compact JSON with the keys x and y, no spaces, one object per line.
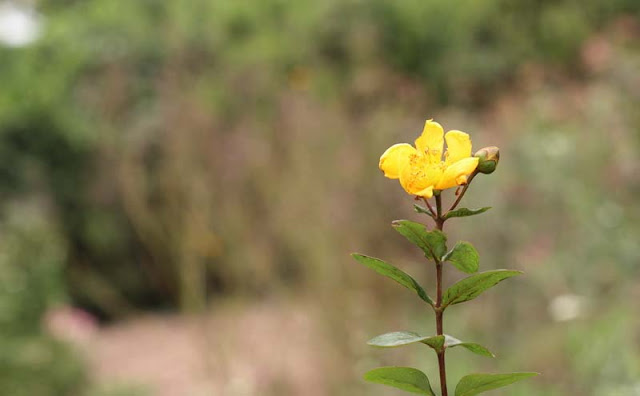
{"x":439,"y":312}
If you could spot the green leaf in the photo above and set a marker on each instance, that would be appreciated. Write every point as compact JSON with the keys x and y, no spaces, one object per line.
{"x":471,"y":287}
{"x":433,"y":243}
{"x":464,"y":257}
{"x":405,"y":378}
{"x":422,"y":209}
{"x":400,"y":338}
{"x":388,"y":270}
{"x":477,"y":383}
{"x":396,"y":339}
{"x":464,"y":212}
{"x":478,"y":349}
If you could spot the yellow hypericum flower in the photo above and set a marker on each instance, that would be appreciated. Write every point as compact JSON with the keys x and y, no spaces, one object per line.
{"x":421,"y":169}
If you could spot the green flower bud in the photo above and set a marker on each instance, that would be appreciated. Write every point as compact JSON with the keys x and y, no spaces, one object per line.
{"x":489,"y":158}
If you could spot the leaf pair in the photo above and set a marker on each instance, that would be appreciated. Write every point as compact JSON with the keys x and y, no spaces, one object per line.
{"x":464,"y":290}
{"x":438,"y":342}
{"x":415,"y":381}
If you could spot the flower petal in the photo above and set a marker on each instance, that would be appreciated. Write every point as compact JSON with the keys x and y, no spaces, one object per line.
{"x":395,"y":158}
{"x":458,"y":146}
{"x":427,"y":192}
{"x":456,"y":174}
{"x":419,"y":175}
{"x":431,"y":141}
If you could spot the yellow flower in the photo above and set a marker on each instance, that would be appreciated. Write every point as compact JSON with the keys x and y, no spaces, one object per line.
{"x":421,"y":169}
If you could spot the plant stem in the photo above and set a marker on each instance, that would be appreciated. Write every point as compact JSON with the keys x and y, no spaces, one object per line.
{"x":433,"y":212}
{"x":441,"y":364}
{"x":464,"y":190}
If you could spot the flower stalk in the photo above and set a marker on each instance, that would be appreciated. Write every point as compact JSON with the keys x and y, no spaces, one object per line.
{"x":464,"y":190}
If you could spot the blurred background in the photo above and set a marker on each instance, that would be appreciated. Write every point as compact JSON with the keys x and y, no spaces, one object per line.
{"x":181,"y":183}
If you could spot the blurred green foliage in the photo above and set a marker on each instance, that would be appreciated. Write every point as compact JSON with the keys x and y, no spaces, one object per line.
{"x":154,"y":154}
{"x":31,"y":263}
{"x":467,"y":49}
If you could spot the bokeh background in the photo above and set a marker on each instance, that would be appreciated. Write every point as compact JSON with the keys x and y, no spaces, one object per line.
{"x":181,"y":183}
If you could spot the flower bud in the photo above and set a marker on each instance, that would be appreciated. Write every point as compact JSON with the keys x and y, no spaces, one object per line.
{"x":489,"y":157}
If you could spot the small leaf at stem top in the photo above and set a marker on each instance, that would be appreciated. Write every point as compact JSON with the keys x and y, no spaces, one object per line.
{"x":464,"y":212}
{"x":464,"y":257}
{"x":473,"y":384}
{"x":388,"y":270}
{"x":471,"y":287}
{"x":405,"y":378}
{"x":433,"y":243}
